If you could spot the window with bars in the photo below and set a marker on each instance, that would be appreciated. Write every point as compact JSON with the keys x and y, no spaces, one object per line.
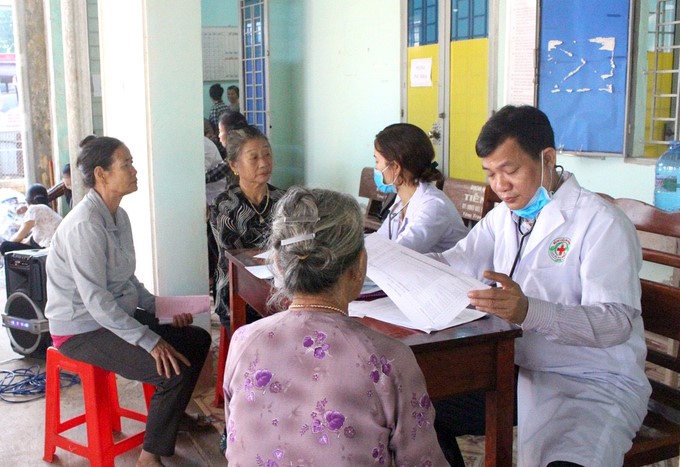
{"x":254,"y":63}
{"x":422,"y":22}
{"x":469,"y":19}
{"x":663,"y":81}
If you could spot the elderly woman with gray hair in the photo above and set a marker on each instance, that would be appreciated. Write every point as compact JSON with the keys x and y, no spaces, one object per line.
{"x":310,"y":385}
{"x":241,"y":216}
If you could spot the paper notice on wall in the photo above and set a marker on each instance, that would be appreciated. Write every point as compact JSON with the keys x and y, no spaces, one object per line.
{"x":520,"y":52}
{"x":421,"y":72}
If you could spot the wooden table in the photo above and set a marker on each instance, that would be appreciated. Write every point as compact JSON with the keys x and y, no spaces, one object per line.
{"x":476,"y":356}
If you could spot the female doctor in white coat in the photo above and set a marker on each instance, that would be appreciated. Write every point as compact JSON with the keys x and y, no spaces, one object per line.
{"x":422,"y":217}
{"x":566,"y":265}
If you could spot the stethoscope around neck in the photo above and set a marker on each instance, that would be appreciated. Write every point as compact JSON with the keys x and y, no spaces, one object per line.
{"x":523,"y":236}
{"x":390,"y":219}
{"x":520,"y":223}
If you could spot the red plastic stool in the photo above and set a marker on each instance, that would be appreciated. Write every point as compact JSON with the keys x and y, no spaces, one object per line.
{"x":102,"y":412}
{"x":221,"y":361}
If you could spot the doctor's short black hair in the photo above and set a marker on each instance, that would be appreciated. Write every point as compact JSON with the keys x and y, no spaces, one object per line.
{"x":528,"y":125}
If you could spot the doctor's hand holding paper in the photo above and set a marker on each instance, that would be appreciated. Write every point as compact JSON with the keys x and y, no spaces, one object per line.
{"x":506,"y":301}
{"x":565,"y":263}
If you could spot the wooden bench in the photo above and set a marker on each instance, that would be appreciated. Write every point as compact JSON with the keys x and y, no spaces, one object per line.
{"x":659,"y":436}
{"x":472,"y":199}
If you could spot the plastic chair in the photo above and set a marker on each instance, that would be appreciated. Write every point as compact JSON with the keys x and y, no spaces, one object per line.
{"x":102,"y":412}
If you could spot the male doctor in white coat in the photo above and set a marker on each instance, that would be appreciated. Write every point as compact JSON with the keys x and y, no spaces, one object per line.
{"x":565,"y":263}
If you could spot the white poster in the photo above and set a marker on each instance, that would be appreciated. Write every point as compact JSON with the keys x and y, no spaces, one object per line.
{"x":421,"y":72}
{"x":520,"y":52}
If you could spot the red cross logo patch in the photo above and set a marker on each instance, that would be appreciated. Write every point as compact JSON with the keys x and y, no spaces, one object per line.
{"x":558,"y":249}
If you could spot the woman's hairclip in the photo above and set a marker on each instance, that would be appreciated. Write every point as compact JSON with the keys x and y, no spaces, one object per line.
{"x":297,"y":239}
{"x":300,"y":219}
{"x":434,"y":165}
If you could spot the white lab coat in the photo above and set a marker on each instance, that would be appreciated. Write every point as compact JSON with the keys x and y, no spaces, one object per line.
{"x":432,"y":223}
{"x":582,"y":391}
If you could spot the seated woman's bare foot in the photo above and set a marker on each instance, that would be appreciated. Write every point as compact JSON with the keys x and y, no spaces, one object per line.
{"x":146,"y":459}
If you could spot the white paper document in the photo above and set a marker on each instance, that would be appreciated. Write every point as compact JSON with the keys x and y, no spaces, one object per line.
{"x":429,"y":294}
{"x":261,"y":271}
{"x":168,"y":307}
{"x":384,"y":309}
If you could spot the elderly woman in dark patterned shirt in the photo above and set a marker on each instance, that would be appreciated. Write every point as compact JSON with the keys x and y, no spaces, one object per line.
{"x":241,"y":216}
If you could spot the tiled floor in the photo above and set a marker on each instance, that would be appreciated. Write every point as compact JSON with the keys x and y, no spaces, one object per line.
{"x":22,"y":432}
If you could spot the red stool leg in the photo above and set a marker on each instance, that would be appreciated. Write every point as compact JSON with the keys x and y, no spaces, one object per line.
{"x":221,"y":361}
{"x":114,"y":402}
{"x":52,"y":404}
{"x":149,"y":390}
{"x":98,"y":413}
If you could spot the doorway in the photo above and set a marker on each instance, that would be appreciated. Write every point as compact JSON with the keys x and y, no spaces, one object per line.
{"x":447,"y":79}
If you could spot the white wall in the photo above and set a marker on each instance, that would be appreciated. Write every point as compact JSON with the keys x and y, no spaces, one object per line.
{"x":350,"y":82}
{"x":616,"y":177}
{"x":152,"y":94}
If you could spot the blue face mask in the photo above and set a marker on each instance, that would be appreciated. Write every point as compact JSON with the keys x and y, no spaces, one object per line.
{"x":533,"y":207}
{"x":537,"y":202}
{"x":379,"y":183}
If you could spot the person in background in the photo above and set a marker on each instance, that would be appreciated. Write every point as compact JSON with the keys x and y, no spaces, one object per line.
{"x":68,"y":187}
{"x":216,"y":92}
{"x":232,"y":97}
{"x":228,"y":121}
{"x":565,"y":263}
{"x":422,"y":217}
{"x":39,"y":223}
{"x":99,"y":313}
{"x":240,"y":216}
{"x":352,"y":396}
{"x":212,"y":160}
{"x":209,"y":132}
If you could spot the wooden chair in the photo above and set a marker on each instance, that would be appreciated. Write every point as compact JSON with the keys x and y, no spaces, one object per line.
{"x":367,"y":189}
{"x":659,"y":437}
{"x":472,"y":199}
{"x":56,"y":191}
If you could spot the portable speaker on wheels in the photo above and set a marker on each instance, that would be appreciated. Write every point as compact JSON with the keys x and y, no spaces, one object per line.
{"x":24,"y":317}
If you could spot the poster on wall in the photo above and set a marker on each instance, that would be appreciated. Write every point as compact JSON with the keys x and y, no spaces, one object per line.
{"x":583,"y":68}
{"x":220,"y":48}
{"x":520,"y":48}
{"x":421,"y":72}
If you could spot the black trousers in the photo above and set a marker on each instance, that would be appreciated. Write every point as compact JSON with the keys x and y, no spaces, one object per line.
{"x":213,"y":256}
{"x":106,"y":350}
{"x":457,"y":416}
{"x":462,"y":415}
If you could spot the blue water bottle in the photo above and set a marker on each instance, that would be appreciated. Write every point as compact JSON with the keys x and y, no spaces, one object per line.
{"x":667,"y":179}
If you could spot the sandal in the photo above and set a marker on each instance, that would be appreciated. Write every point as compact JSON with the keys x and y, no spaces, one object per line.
{"x":195,"y":422}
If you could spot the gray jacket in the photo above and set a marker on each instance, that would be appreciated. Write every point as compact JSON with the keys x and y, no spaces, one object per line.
{"x":91,"y":281}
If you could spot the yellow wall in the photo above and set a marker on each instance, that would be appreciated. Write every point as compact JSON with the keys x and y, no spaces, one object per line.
{"x":422,"y":102}
{"x":468,"y":106}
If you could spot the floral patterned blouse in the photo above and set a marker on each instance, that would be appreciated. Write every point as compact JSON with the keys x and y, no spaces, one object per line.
{"x":308,"y":388}
{"x":237,"y":224}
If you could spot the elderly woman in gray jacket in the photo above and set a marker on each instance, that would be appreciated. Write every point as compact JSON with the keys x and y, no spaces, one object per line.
{"x":101,"y":314}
